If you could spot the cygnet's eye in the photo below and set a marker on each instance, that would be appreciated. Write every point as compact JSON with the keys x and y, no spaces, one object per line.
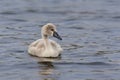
{"x":52,"y":29}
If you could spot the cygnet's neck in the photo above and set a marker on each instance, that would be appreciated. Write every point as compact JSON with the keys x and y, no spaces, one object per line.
{"x":45,"y":37}
{"x":46,"y":41}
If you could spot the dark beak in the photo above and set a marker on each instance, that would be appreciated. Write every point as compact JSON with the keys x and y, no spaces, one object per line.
{"x":55,"y":34}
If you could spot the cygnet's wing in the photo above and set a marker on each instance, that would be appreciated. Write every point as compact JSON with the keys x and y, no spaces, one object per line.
{"x":36,"y":43}
{"x":36,"y":47}
{"x":56,"y":45}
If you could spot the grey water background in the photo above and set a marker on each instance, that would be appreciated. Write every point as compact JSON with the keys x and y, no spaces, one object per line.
{"x":91,"y":39}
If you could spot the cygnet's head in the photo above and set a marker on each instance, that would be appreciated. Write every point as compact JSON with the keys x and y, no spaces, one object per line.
{"x":50,"y":30}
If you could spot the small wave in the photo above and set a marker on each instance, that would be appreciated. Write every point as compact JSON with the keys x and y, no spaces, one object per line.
{"x":8,"y":13}
{"x":82,"y":63}
{"x":103,"y":52}
{"x":77,"y":28}
{"x":32,"y":10}
{"x":116,"y":17}
{"x":19,"y":20}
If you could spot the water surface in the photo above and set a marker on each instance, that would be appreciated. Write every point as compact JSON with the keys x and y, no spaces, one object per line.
{"x":91,"y":39}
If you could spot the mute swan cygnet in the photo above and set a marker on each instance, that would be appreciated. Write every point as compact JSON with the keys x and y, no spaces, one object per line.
{"x":45,"y":47}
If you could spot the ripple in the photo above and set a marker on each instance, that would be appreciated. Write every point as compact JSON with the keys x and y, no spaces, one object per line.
{"x":82,"y":63}
{"x":32,"y":10}
{"x":103,"y":52}
{"x":116,"y":17}
{"x":16,"y":51}
{"x":8,"y":13}
{"x":25,"y":65}
{"x":87,"y":12}
{"x":73,"y":46}
{"x":19,"y":20}
{"x":77,"y":28}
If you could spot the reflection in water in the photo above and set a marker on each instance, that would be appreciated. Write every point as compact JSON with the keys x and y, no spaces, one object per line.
{"x":47,"y":68}
{"x":45,"y":60}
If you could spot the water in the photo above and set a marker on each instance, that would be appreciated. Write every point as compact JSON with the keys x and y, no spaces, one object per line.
{"x":91,"y":39}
